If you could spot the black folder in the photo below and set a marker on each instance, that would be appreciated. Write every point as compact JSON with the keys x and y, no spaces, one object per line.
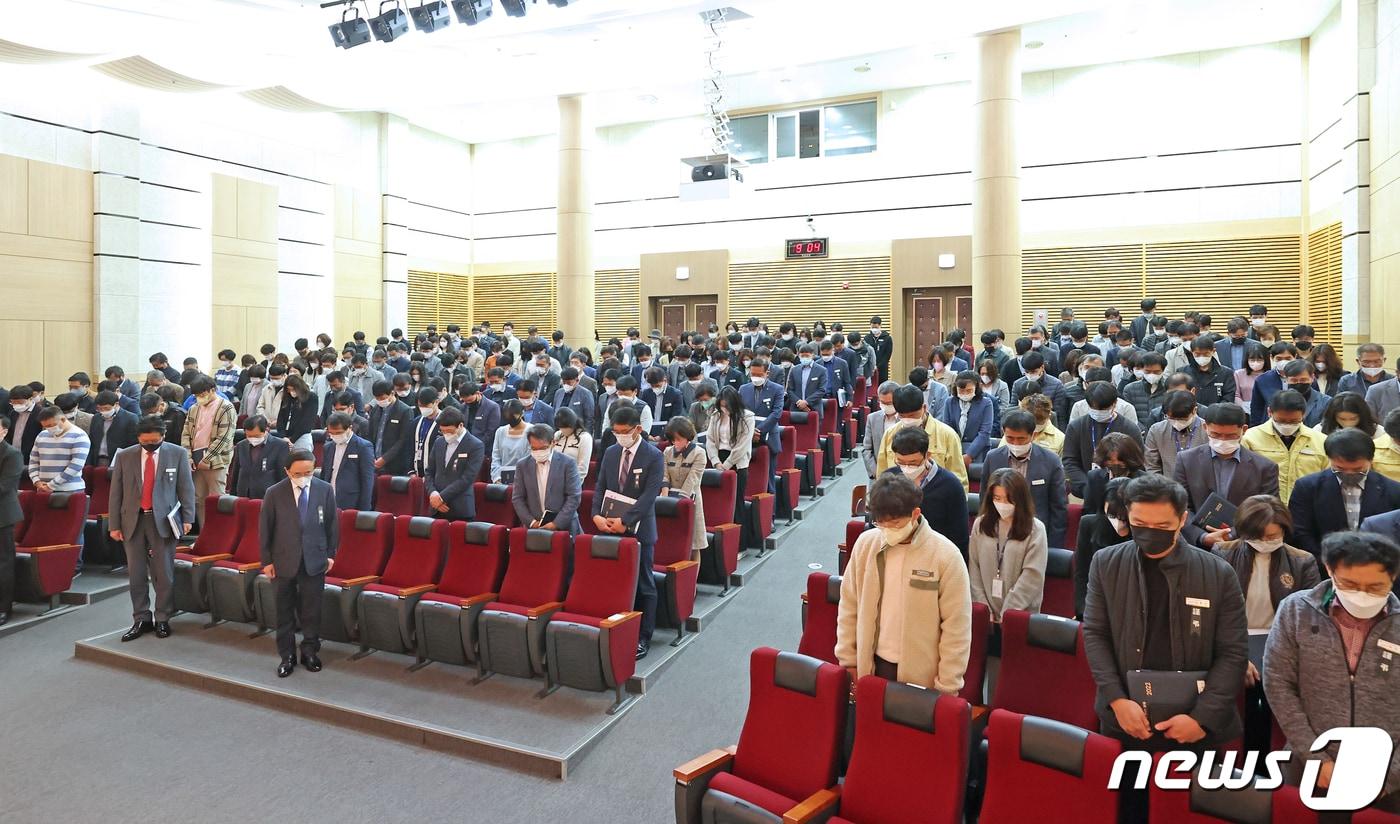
{"x":1215,"y":513}
{"x":1165,"y":693}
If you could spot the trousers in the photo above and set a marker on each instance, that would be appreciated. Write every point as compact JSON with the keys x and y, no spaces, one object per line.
{"x":7,"y":567}
{"x":646,"y":592}
{"x":150,"y":556}
{"x":298,"y":602}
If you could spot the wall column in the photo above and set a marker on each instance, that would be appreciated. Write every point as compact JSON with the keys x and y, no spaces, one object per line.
{"x":574,"y":284}
{"x":996,"y":185}
{"x":393,"y":150}
{"x":1359,"y":75}
{"x":116,"y":242}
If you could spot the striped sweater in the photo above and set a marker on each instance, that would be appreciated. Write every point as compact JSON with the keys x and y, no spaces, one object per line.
{"x":59,"y":460}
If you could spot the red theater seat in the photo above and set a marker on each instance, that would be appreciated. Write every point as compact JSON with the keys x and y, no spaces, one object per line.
{"x":1249,"y":803}
{"x":48,"y":553}
{"x":591,"y":644}
{"x":854,"y":527}
{"x":977,"y":654}
{"x":1076,"y":511}
{"x":1035,"y":764}
{"x":720,"y":558}
{"x":1059,"y":583}
{"x":1044,"y":670}
{"x":759,"y":503}
{"x":819,"y":606}
{"x":230,"y":581}
{"x":386,"y":607}
{"x":400,"y":495}
{"x":217,"y":540}
{"x":510,"y":629}
{"x":585,"y":512}
{"x":672,"y":570}
{"x":493,"y":504}
{"x":830,"y":439}
{"x":365,"y":541}
{"x":787,"y":482}
{"x":809,"y":455}
{"x":446,"y":617}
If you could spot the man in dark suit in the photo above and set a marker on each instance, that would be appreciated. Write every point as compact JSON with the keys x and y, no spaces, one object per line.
{"x":572,"y":396}
{"x":840,"y":379}
{"x":547,"y":482}
{"x":808,"y":383}
{"x":1224,"y":467}
{"x":481,"y":415}
{"x":258,"y":461}
{"x":1039,"y":466}
{"x":299,"y":533}
{"x":1233,"y":349}
{"x":150,"y":484}
{"x":764,"y":398}
{"x":347,"y":464}
{"x":113,"y":429}
{"x":1342,"y":496}
{"x":536,"y":410}
{"x":1269,"y":382}
{"x":1143,"y":323}
{"x":24,"y":410}
{"x":664,"y":400}
{"x":641,"y":362}
{"x":453,"y":466}
{"x":633,"y":468}
{"x":1215,"y":381}
{"x":1084,"y":433}
{"x":944,"y":500}
{"x":1387,"y":525}
{"x":881,"y":346}
{"x":342,"y":403}
{"x":390,"y":431}
{"x":724,"y":374}
{"x":11,"y":468}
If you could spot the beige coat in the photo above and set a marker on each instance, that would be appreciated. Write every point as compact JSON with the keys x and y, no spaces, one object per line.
{"x":683,"y":474}
{"x":937,"y":615}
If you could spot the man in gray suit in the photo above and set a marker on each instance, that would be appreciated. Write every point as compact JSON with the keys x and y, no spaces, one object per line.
{"x":1039,"y":466}
{"x":151,"y":506}
{"x":547,"y":483}
{"x":299,"y":533}
{"x":1384,"y":397}
{"x":1224,"y":467}
{"x":875,"y":424}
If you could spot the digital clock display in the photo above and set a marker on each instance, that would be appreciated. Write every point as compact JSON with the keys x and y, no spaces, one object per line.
{"x":815,"y":247}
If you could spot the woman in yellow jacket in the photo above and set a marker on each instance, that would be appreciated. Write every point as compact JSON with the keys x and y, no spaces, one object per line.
{"x":1285,"y":440}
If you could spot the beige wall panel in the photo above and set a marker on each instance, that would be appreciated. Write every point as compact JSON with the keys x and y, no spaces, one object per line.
{"x":356,"y":315}
{"x":358,"y":276}
{"x":257,"y":211}
{"x":262,"y":328}
{"x":14,"y":194}
{"x":60,"y":201}
{"x":914,"y":262}
{"x":30,"y":289}
{"x":229,"y":329}
{"x":21,"y":348}
{"x":244,"y":248}
{"x":367,"y":226}
{"x":344,"y":210}
{"x":350,"y":246}
{"x":46,"y":248}
{"x":225,"y":207}
{"x":67,"y":349}
{"x":709,"y":275}
{"x":241,"y":281}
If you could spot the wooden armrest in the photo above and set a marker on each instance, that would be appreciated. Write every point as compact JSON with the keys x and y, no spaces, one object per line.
{"x":552,"y":606}
{"x":698,"y":766}
{"x":418,"y":590}
{"x":249,"y":567}
{"x":36,"y":550}
{"x":979,"y":711}
{"x":818,"y":802}
{"x":209,"y":559}
{"x":840,"y":547}
{"x":758,"y":495}
{"x":483,"y":598}
{"x":804,"y":597}
{"x":724,"y":527}
{"x":361,"y":581}
{"x":680,"y":565}
{"x":618,"y":618}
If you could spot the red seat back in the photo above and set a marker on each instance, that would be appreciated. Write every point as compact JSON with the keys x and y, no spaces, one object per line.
{"x":476,"y":558}
{"x":1059,"y":583}
{"x":585,"y":512}
{"x":1032,"y":762}
{"x":55,"y":519}
{"x":717,"y":489}
{"x":318,"y":444}
{"x":416,"y":559}
{"x":757,"y":481}
{"x":819,"y":632}
{"x":26,"y":508}
{"x":977,"y":654}
{"x":830,"y":421}
{"x":535,"y":575}
{"x":804,"y":427}
{"x":1044,"y":670}
{"x":249,"y":547}
{"x":400,"y":495}
{"x":1076,"y":511}
{"x":1222,"y":806}
{"x":787,"y":459}
{"x":493,"y":504}
{"x":99,"y":489}
{"x":675,"y":524}
{"x":859,"y":392}
{"x":365,"y":541}
{"x":910,"y":757}
{"x":605,"y":575}
{"x":795,"y":724}
{"x":590,"y":481}
{"x":222,"y":526}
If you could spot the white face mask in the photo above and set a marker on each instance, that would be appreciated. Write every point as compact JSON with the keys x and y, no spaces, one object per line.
{"x":255,"y":381}
{"x":1182,"y":426}
{"x":1083,"y":372}
{"x":887,"y":408}
{"x":1020,"y":450}
{"x":610,"y":389}
{"x":227,"y":364}
{"x":1266,"y":547}
{"x":1005,"y":510}
{"x":452,"y":437}
{"x":1203,"y":360}
{"x":541,"y":455}
{"x":1101,"y":415}
{"x":898,"y":535}
{"x":1173,"y":340}
{"x":258,"y":441}
{"x":627,"y":441}
{"x":1116,"y":524}
{"x":758,"y":381}
{"x":1224,"y":446}
{"x":695,"y":384}
{"x":342,"y":439}
{"x":301,"y":483}
{"x":910,"y":421}
{"x":279,"y":382}
{"x":108,"y":413}
{"x":1036,"y":343}
{"x":527,"y":402}
{"x":1139,"y":374}
{"x":1372,"y":371}
{"x":986,"y":380}
{"x":875,"y":330}
{"x":1279,"y":363}
{"x":1286,"y":429}
{"x":912,"y":472}
{"x":427,"y":411}
{"x":21,"y":408}
{"x":1152,"y":378}
{"x":1361,"y":605}
{"x":966,"y":397}
{"x":384,"y":403}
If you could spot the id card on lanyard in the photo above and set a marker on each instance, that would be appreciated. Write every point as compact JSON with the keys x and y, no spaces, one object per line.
{"x":998,"y":588}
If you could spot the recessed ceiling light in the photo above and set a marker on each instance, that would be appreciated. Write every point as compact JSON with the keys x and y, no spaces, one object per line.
{"x":647,"y":98}
{"x":1034,"y":44}
{"x":862,"y":68}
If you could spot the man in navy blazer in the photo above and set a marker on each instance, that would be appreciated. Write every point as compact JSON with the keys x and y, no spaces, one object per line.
{"x":842,"y":384}
{"x":452,"y":469}
{"x":808,"y":383}
{"x":1387,"y":525}
{"x":563,"y":488}
{"x":347,"y":464}
{"x":336,"y":385}
{"x":670,"y":401}
{"x":1041,"y":468}
{"x":390,"y":431}
{"x":573,"y":396}
{"x":112,"y":424}
{"x":258,"y":461}
{"x":1233,"y":349}
{"x":299,"y":534}
{"x":1318,"y":501}
{"x":634,"y":468}
{"x":482,"y":416}
{"x":1267,"y":383}
{"x":764,"y":399}
{"x":536,"y":410}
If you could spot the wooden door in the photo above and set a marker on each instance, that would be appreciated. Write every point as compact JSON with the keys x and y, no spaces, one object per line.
{"x":965,"y":319}
{"x":928,"y":327}
{"x":706,"y":314}
{"x":672,"y":320}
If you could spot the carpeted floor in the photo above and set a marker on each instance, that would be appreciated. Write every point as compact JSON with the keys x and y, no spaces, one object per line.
{"x":85,"y":742}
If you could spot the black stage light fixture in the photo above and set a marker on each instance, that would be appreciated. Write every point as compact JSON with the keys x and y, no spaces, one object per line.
{"x":351,"y":31}
{"x":472,"y":12}
{"x":560,"y":3}
{"x":389,"y":25}
{"x":431,"y":16}
{"x":710,"y":171}
{"x":514,"y":8}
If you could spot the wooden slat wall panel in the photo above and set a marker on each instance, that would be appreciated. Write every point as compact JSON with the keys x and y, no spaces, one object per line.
{"x":617,"y":303}
{"x":454,"y":302}
{"x":1088,"y":279}
{"x":805,"y":291}
{"x":520,"y":299}
{"x":422,"y":301}
{"x":1325,"y":283}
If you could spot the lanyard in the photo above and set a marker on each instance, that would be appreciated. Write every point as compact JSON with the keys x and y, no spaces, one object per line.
{"x":1190,"y":435}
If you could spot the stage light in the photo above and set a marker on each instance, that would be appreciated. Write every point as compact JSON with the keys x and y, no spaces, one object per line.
{"x":431,"y":16}
{"x":350,"y":31}
{"x":389,"y":25}
{"x":560,"y":3}
{"x":472,"y":12}
{"x":514,"y":8}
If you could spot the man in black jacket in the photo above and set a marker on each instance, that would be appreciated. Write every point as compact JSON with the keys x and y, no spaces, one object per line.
{"x":881,"y":346}
{"x":11,"y":468}
{"x":258,"y":461}
{"x":390,"y":420}
{"x":112,"y":429}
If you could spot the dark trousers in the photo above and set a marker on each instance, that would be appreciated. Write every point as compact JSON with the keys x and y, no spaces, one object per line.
{"x":299,"y":601}
{"x":741,"y":486}
{"x":1132,"y":803}
{"x":646,"y":592}
{"x":886,"y":670}
{"x":7,"y":567}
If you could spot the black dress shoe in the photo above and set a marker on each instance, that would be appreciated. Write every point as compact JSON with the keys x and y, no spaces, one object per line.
{"x":138,"y":629}
{"x":285,"y":668}
{"x":4,"y":618}
{"x":162,"y":629}
{"x":311,"y":661}
{"x":642,"y":649}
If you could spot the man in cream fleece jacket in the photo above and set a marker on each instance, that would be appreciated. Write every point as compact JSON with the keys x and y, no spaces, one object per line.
{"x":906,"y":607}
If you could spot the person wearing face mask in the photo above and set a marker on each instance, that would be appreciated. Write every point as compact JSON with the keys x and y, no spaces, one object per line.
{"x":1387,"y":460}
{"x":57,"y":459}
{"x":573,"y":440}
{"x":945,"y":446}
{"x":1180,"y":429}
{"x":1147,"y":392}
{"x":390,"y":431}
{"x":905,"y":612}
{"x":424,"y":429}
{"x":1370,"y":370}
{"x":875,"y":425}
{"x":271,"y":396}
{"x":509,"y":446}
{"x":1222,"y":467}
{"x":1215,"y":382}
{"x":1288,"y":441}
{"x":1256,"y":365}
{"x":1097,"y":530}
{"x":764,"y":398}
{"x":150,"y":508}
{"x":1008,"y":549}
{"x":1038,"y":379}
{"x":881,"y":346}
{"x":685,"y":466}
{"x":1344,"y":494}
{"x":1382,"y":396}
{"x":944,"y":506}
{"x":452,"y":468}
{"x":808,"y":384}
{"x":1160,"y":605}
{"x":729,"y":440}
{"x":1328,"y":659}
{"x":112,"y":429}
{"x":1095,"y":373}
{"x":970,"y":414}
{"x":1270,"y":381}
{"x":570,"y":395}
{"x":227,"y":375}
{"x":536,"y":410}
{"x":547,"y":487}
{"x":692,"y":380}
{"x":25,"y":406}
{"x":664,"y":401}
{"x":1117,"y":456}
{"x":1234,"y":347}
{"x":1046,"y":435}
{"x":1084,"y":432}
{"x":702,"y":408}
{"x":208,"y":436}
{"x":257,"y":460}
{"x":347,"y":464}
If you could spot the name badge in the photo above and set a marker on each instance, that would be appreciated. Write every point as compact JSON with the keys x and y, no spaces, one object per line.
{"x":393,"y":420}
{"x":1306,"y":452}
{"x":922,"y":573}
{"x":1387,"y":645}
{"x":1038,"y":482}
{"x":996,"y":588}
{"x":1198,"y":602}
{"x":320,"y":513}
{"x":636,"y":472}
{"x":351,"y":457}
{"x":264,"y":464}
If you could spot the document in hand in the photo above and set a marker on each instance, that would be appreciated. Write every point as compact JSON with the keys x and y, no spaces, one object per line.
{"x":1165,"y":693}
{"x":615,"y":505}
{"x":177,"y":527}
{"x":1215,"y":513}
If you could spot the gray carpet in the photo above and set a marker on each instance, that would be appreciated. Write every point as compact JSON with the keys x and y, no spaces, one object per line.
{"x":87,"y":742}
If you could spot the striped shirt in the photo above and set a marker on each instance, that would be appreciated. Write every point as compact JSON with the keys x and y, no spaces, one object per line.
{"x":58,"y":461}
{"x":226,"y":381}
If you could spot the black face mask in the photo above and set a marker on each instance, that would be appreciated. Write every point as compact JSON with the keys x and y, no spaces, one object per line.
{"x":1302,"y":345}
{"x":151,"y":447}
{"x":1152,"y":541}
{"x":1304,"y":389}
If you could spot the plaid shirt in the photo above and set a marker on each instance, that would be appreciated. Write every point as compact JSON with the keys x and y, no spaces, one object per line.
{"x":1353,"y":630}
{"x":220,"y":452}
{"x":1351,"y":500}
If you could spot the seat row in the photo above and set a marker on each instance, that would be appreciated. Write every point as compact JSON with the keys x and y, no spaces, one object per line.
{"x":46,"y":544}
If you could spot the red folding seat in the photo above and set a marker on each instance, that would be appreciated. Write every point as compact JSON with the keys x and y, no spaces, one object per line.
{"x":789,"y":748}
{"x":365,"y":540}
{"x":1059,"y":583}
{"x":591,"y":644}
{"x":808,"y":456}
{"x":26,"y":508}
{"x":854,"y":527}
{"x":510,"y":629}
{"x":758,"y":501}
{"x":445,"y":619}
{"x":386,"y":606}
{"x":1076,"y":511}
{"x":858,"y":396}
{"x":218,"y":538}
{"x":819,"y":605}
{"x":720,"y":558}
{"x":671,"y":568}
{"x":47,"y":554}
{"x":787,"y":480}
{"x":585,"y":512}
{"x":830,"y":438}
{"x":400,"y":495}
{"x":230,"y":581}
{"x":1044,"y":670}
{"x":976,"y":672}
{"x":909,"y":763}
{"x":493,"y":504}
{"x":590,"y":481}
{"x":1220,"y":805}
{"x":1035,"y":764}
{"x":1295,"y":804}
{"x":98,"y":546}
{"x":318,"y":445}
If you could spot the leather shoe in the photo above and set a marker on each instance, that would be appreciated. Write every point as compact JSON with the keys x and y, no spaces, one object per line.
{"x":138,"y":629}
{"x":642,"y":649}
{"x":162,"y":629}
{"x":311,"y":661}
{"x":4,"y":618}
{"x":286,"y":667}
